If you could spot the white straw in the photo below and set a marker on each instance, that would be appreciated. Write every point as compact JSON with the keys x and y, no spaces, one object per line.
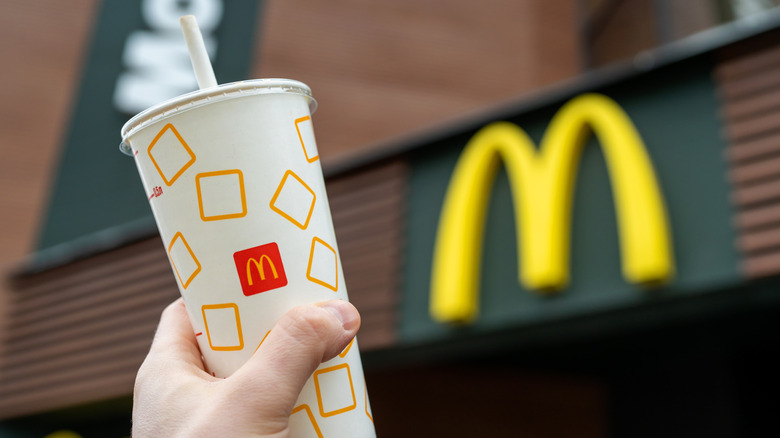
{"x":198,"y":55}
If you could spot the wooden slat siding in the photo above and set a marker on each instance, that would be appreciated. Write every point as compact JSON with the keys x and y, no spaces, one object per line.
{"x":749,"y":87}
{"x":84,"y":370}
{"x":84,"y":271}
{"x":368,"y":210}
{"x":755,"y":171}
{"x":748,"y":65}
{"x":81,"y":330}
{"x":122,"y":310}
{"x":357,"y":265}
{"x":754,"y":195}
{"x":753,"y":149}
{"x":760,"y":240}
{"x":374,"y":330}
{"x":753,"y":105}
{"x":366,"y":230}
{"x":379,"y":300}
{"x":757,"y":125}
{"x":109,"y":384}
{"x":386,"y":203}
{"x":141,"y":328}
{"x":97,"y":289}
{"x":32,"y":369}
{"x":351,"y":206}
{"x":762,"y":265}
{"x":373,"y":175}
{"x":97,"y":302}
{"x":86,"y":346}
{"x":758,"y":217}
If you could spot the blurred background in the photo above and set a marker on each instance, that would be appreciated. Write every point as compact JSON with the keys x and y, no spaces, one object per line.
{"x":401,"y":86}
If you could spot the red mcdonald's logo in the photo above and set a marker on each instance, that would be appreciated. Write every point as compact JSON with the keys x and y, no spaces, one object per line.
{"x":260,"y":269}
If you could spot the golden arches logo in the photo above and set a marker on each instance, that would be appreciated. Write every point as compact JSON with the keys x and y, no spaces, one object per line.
{"x":260,"y":268}
{"x":542,"y":192}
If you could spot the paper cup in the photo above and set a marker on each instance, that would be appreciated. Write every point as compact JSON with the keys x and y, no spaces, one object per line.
{"x":235,"y":184}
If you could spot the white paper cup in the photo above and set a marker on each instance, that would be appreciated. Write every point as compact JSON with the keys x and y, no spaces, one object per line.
{"x":235,"y":184}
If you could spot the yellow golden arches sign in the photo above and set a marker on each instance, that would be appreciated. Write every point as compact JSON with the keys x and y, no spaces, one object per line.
{"x":542,"y":190}
{"x":260,"y":268}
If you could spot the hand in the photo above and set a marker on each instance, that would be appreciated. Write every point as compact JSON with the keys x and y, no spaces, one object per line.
{"x":175,"y":397}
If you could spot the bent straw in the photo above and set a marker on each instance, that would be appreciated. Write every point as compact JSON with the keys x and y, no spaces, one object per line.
{"x":198,"y":55}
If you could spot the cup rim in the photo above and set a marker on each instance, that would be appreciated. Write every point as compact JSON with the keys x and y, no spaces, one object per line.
{"x":198,"y":98}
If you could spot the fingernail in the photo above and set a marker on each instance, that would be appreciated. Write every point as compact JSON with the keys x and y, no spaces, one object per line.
{"x":345,"y":312}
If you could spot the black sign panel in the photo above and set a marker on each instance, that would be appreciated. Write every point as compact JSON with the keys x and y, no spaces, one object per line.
{"x":137,"y":59}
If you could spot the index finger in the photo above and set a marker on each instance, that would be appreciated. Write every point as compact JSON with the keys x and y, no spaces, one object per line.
{"x":175,"y":339}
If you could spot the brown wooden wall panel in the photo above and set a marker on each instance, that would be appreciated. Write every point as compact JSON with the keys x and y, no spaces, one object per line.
{"x":746,"y":66}
{"x":749,"y":85}
{"x":756,"y":195}
{"x":368,"y":215}
{"x":759,"y":124}
{"x":625,"y":29}
{"x":760,"y":240}
{"x":380,"y":69}
{"x":755,"y":171}
{"x":85,"y":322}
{"x":749,"y":88}
{"x":762,"y":265}
{"x":80,"y":331}
{"x":43,"y":43}
{"x":751,"y":149}
{"x":752,"y":105}
{"x":758,"y":217}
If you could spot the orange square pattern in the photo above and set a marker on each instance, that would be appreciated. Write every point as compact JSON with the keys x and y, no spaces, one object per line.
{"x":234,"y":308}
{"x":184,"y":145}
{"x":227,"y":215}
{"x":262,"y":340}
{"x":323,"y":282}
{"x":303,"y":143}
{"x":302,"y":225}
{"x":368,"y":406}
{"x":184,"y":282}
{"x":315,"y":428}
{"x":343,"y":354}
{"x":334,"y":372}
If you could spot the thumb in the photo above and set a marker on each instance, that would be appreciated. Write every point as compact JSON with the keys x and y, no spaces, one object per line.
{"x":304,"y":337}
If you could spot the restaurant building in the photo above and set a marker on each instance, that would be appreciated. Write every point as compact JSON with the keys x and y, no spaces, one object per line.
{"x":568,"y":226}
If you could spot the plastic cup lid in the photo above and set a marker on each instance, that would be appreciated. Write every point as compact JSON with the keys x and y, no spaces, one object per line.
{"x":198,"y":98}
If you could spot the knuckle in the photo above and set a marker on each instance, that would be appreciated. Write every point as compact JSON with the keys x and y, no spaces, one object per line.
{"x":171,"y":308}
